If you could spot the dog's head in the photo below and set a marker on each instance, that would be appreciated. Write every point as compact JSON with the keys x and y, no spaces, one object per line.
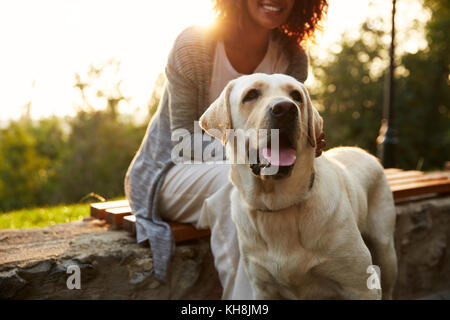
{"x":261,"y":101}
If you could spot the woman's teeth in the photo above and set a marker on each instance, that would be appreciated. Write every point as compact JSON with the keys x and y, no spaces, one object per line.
{"x":271,"y":8}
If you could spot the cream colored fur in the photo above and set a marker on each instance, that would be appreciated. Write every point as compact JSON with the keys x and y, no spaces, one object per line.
{"x":297,"y":242}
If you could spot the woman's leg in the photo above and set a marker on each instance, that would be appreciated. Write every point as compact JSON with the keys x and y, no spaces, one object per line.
{"x":199,"y":194}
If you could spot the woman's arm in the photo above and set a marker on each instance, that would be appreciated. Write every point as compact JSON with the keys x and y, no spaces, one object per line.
{"x":186,"y":83}
{"x":182,"y":87}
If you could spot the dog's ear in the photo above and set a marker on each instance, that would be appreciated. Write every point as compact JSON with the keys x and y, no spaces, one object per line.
{"x":217,"y":118}
{"x":315,"y":121}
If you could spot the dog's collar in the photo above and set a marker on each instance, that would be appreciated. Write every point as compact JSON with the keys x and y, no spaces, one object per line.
{"x":311,"y":184}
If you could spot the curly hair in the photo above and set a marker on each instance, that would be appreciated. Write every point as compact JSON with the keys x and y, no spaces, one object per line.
{"x":301,"y":24}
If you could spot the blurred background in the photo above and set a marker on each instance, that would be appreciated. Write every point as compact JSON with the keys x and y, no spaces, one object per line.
{"x":80,"y":80}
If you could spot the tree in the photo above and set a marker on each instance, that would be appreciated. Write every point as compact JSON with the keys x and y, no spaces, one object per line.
{"x":55,"y":160}
{"x":102,"y":142}
{"x":101,"y":148}
{"x":423,"y":98}
{"x":350,"y":94}
{"x":351,"y":91}
{"x":22,"y":169}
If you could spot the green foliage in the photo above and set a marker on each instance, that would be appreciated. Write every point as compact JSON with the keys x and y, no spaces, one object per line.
{"x":351,"y":94}
{"x":55,"y":160}
{"x":423,"y":98}
{"x":23,"y":169}
{"x":41,"y":217}
{"x":101,"y":149}
{"x":40,"y":164}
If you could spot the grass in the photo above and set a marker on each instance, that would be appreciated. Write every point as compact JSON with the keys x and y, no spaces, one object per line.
{"x":41,"y":217}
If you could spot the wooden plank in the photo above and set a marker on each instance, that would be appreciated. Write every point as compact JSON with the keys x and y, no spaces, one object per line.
{"x":115,"y":213}
{"x":129,"y":223}
{"x":181,"y":232}
{"x":425,"y":177}
{"x":438,"y":175}
{"x":115,"y":216}
{"x":390,"y":171}
{"x":407,"y":180}
{"x":98,"y":209}
{"x":419,"y":188}
{"x":404,"y":174}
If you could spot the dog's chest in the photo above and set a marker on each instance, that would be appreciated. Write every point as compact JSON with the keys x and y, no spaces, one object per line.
{"x":289,"y":265}
{"x":274,"y":247}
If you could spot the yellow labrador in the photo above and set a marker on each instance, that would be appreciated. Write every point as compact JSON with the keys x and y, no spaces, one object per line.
{"x":315,"y":228}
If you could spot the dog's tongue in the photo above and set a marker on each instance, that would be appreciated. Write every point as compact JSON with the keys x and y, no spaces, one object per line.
{"x":286,"y":156}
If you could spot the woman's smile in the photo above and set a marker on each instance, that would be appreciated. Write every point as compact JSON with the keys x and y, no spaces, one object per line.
{"x":270,"y":7}
{"x":270,"y":14}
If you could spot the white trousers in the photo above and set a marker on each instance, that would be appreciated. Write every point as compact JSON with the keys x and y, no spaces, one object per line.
{"x":199,"y":194}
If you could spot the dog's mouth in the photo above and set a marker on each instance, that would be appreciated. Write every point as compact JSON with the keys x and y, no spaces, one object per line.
{"x":276,"y":160}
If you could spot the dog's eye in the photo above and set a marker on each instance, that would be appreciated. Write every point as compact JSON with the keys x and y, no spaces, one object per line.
{"x":251,"y":95}
{"x":296,"y":96}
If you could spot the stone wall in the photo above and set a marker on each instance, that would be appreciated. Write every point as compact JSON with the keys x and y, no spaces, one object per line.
{"x":33,"y":265}
{"x":423,"y":247}
{"x":33,"y":262}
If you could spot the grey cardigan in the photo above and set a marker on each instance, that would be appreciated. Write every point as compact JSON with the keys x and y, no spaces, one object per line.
{"x":185,"y":98}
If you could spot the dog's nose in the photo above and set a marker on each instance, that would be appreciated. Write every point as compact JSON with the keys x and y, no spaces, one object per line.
{"x":282,"y":109}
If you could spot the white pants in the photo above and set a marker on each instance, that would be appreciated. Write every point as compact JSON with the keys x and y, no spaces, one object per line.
{"x":199,"y":194}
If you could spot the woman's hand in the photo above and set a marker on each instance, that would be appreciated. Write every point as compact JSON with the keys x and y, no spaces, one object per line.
{"x":320,"y":144}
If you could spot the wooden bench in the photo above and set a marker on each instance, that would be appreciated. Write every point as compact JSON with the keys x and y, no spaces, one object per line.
{"x":405,"y":186}
{"x":118,"y":214}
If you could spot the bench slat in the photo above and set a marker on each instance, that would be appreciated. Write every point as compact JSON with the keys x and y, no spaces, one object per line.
{"x":420,"y":188}
{"x":115,"y":216}
{"x":390,"y":171}
{"x":98,"y":209}
{"x":404,"y":175}
{"x":129,"y":223}
{"x":181,"y":232}
{"x":425,"y":177}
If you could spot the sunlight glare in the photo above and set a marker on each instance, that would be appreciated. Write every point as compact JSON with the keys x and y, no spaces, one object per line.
{"x":45,"y":42}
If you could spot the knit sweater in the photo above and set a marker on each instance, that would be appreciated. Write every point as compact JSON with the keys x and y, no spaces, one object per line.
{"x":185,"y":98}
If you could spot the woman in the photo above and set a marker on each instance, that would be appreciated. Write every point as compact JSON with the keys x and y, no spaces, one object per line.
{"x":249,"y":36}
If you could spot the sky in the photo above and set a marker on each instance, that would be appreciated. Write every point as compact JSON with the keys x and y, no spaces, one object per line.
{"x":43,"y":43}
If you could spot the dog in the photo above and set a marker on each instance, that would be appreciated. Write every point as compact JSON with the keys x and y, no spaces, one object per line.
{"x":316,"y":228}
